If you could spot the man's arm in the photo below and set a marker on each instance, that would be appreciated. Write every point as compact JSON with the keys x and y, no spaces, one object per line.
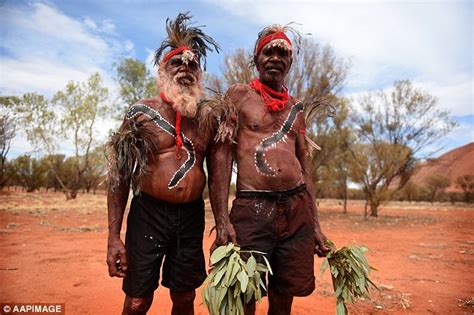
{"x":219,"y":165}
{"x":117,"y":198}
{"x":320,"y":247}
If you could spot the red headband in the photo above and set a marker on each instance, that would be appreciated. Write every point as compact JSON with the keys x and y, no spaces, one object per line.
{"x":269,"y":38}
{"x":174,"y":52}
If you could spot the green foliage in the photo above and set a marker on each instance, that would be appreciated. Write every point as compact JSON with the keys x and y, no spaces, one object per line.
{"x":96,"y":170}
{"x":350,"y":274}
{"x":466,"y":183}
{"x":135,"y":83}
{"x":28,"y":172}
{"x":436,"y":184}
{"x":71,"y":116}
{"x":411,"y":192}
{"x":38,"y":119}
{"x":232,"y":282}
{"x":7,"y":132}
{"x":53,"y":164}
{"x":391,"y":129}
{"x":331,"y":163}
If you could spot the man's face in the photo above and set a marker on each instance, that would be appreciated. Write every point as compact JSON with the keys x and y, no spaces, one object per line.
{"x":186,"y":74}
{"x":273,"y":63}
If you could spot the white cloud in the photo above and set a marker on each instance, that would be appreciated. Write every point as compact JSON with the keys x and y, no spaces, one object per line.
{"x":108,"y":27}
{"x":459,"y":136}
{"x":150,"y":62}
{"x":90,"y":23}
{"x":43,"y":49}
{"x":38,"y":75}
{"x":457,"y":95}
{"x":425,"y":41}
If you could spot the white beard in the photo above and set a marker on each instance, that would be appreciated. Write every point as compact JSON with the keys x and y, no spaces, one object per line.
{"x":185,"y":98}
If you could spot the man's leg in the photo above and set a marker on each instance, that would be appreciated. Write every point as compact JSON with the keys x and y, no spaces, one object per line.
{"x":183,"y":302}
{"x":280,"y":304}
{"x":249,"y":309}
{"x":137,"y":306}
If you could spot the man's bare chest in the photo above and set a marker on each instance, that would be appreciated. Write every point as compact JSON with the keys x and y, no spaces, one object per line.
{"x":168,"y":131}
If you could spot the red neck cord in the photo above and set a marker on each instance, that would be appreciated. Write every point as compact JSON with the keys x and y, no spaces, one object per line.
{"x":179,"y":139}
{"x":273,"y":100}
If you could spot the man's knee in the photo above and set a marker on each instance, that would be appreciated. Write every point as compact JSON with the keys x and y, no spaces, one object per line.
{"x":279,"y":304}
{"x":183,"y":297}
{"x":137,"y":306}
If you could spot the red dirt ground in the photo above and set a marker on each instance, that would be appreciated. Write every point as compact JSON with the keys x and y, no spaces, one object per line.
{"x":53,"y":251}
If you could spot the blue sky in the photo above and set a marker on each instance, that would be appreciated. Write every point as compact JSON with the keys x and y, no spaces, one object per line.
{"x":44,"y":44}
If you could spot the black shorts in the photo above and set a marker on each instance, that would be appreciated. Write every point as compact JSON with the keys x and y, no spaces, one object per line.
{"x":157,"y":230}
{"x":281,"y":225}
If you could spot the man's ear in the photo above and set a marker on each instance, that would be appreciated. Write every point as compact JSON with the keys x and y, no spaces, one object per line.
{"x":289,"y":64}
{"x":255,"y":61}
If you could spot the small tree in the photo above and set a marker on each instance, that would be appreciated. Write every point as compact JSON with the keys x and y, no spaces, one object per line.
{"x":96,"y":171}
{"x":135,"y":83}
{"x":436,"y":185}
{"x":7,"y":133}
{"x":466,"y":183}
{"x":53,"y":164}
{"x":391,"y":129}
{"x":411,"y":191}
{"x":71,"y":116}
{"x":28,"y":172}
{"x":331,"y":163}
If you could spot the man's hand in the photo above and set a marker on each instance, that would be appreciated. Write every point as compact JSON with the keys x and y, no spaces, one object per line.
{"x":320,"y":247}
{"x":116,"y":258}
{"x":225,"y":234}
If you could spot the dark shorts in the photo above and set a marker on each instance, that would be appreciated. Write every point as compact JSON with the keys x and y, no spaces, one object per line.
{"x":281,"y":225}
{"x":157,"y":230}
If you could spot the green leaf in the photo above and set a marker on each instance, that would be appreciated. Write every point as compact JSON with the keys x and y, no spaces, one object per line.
{"x":221,"y":294}
{"x":240,"y":307}
{"x":268,"y":264}
{"x":251,"y":265}
{"x":340,"y":308}
{"x":250,"y":291}
{"x":258,"y":294}
{"x":220,"y":252}
{"x":230,"y":266}
{"x":219,"y":276}
{"x":244,"y":280}
{"x":324,"y":266}
{"x":339,"y":290}
{"x":236,"y":292}
{"x":261,"y":267}
{"x":223,"y":307}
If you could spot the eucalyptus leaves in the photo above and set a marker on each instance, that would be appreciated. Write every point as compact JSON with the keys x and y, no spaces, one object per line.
{"x":232,"y":282}
{"x":350,"y":274}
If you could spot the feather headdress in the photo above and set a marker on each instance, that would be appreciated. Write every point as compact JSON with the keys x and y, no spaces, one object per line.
{"x":184,"y":38}
{"x":276,"y":35}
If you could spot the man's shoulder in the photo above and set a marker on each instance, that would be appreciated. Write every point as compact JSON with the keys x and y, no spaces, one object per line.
{"x":147,"y":106}
{"x":238,"y":93}
{"x":238,"y":89}
{"x":153,"y":102}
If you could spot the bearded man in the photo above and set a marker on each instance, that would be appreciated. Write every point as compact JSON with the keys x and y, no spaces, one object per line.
{"x":159,"y":150}
{"x":274,"y":211}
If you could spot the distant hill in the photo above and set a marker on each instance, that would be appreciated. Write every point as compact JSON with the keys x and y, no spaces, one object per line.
{"x":452,"y":164}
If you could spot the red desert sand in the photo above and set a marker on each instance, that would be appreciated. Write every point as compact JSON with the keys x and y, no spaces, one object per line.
{"x":53,"y":251}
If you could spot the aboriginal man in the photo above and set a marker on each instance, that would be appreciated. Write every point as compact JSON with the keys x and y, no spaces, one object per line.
{"x":274,"y":210}
{"x":159,"y":151}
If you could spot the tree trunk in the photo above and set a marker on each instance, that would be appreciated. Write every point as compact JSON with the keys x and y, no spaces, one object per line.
{"x":365,"y":207}
{"x":374,"y":205}
{"x":344,"y":209}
